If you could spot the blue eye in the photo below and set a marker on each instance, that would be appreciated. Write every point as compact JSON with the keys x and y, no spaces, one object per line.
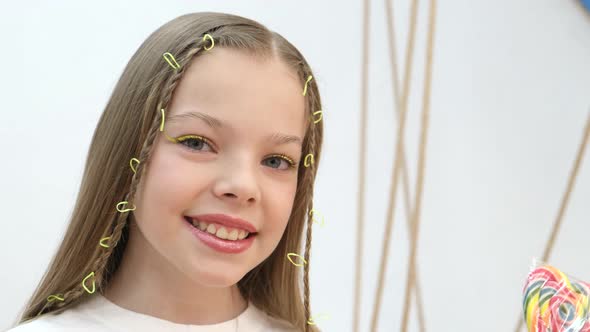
{"x":196,"y":143}
{"x":277,"y":161}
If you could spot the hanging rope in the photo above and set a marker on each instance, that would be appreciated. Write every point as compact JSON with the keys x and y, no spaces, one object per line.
{"x":361,"y":189}
{"x":397,"y":101}
{"x":402,"y":106}
{"x":564,"y":202}
{"x":411,"y":277}
{"x":405,"y":182}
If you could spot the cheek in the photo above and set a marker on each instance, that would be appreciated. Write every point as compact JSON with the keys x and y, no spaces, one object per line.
{"x":170,"y":188}
{"x":174,"y":182}
{"x":280,"y":201}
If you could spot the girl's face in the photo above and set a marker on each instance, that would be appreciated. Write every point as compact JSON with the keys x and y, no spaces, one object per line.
{"x":238,"y":122}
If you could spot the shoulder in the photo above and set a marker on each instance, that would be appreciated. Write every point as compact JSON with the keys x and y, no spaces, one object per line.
{"x":279,"y":325}
{"x":267,"y":323}
{"x":46,"y":322}
{"x":73,"y":319}
{"x":30,"y":326}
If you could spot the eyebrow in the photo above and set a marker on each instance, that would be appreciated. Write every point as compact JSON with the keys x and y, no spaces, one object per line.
{"x":213,"y":122}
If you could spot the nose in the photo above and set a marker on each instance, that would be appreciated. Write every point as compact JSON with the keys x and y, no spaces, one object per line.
{"x":237,"y":182}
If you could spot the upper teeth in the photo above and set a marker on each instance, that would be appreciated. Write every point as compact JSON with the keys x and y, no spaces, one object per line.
{"x":221,"y":231}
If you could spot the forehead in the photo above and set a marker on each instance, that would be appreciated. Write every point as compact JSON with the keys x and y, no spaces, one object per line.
{"x":242,"y":90}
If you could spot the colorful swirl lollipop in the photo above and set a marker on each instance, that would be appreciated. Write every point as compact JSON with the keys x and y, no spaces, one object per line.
{"x":554,"y":303}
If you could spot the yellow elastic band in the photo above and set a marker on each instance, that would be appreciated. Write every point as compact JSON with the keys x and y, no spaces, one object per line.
{"x":312,"y":214}
{"x":306,"y":162}
{"x":208,"y":36}
{"x":320,"y":119}
{"x":170,"y":58}
{"x":51,"y":298}
{"x":291,"y":260}
{"x":131,"y":164}
{"x":102,"y":244}
{"x":305,"y":88}
{"x":93,"y":283}
{"x":126,"y":210}
{"x":311,"y":320}
{"x":163,"y":120}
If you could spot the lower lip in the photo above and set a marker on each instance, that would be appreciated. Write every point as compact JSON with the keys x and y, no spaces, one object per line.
{"x":221,"y":245}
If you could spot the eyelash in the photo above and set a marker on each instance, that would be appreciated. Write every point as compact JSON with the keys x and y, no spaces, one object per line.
{"x":182,"y":139}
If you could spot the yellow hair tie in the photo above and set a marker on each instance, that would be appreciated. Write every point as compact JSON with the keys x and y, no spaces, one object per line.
{"x":305,"y":88}
{"x":306,"y":162}
{"x":320,"y":119}
{"x":291,"y":260}
{"x":312,"y":214}
{"x":51,"y":298}
{"x":311,"y":320}
{"x":101,"y":242}
{"x":126,"y":210}
{"x":93,"y":283}
{"x":163,"y":120}
{"x":208,"y":36}
{"x":131,"y":164}
{"x":170,"y":58}
{"x":162,"y":127}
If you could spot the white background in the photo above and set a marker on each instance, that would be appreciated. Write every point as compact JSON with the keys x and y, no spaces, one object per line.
{"x":510,"y":98}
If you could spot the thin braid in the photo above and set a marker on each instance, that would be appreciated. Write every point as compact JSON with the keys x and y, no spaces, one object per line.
{"x":120,"y":222}
{"x":308,"y":238}
{"x":175,"y":78}
{"x":306,"y":255}
{"x":100,"y":263}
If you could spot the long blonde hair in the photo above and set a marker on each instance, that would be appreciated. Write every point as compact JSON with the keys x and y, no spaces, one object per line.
{"x":128,"y":128}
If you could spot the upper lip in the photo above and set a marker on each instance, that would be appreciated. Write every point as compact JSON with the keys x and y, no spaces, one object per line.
{"x":223,"y":219}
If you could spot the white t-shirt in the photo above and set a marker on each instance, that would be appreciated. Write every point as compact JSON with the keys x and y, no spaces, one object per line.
{"x":98,"y":314}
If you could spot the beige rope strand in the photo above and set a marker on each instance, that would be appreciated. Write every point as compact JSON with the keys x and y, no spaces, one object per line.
{"x":361,"y":189}
{"x":564,"y":202}
{"x":389,"y":221}
{"x":411,"y":278}
{"x":394,"y":184}
{"x":397,"y":95}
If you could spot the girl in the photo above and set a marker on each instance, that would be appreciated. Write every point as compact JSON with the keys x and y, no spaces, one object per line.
{"x":196,"y":191}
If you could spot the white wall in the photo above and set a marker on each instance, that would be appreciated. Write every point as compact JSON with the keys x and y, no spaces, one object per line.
{"x":510,"y":97}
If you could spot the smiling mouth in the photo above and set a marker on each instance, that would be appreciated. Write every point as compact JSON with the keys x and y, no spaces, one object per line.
{"x":220,"y":231}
